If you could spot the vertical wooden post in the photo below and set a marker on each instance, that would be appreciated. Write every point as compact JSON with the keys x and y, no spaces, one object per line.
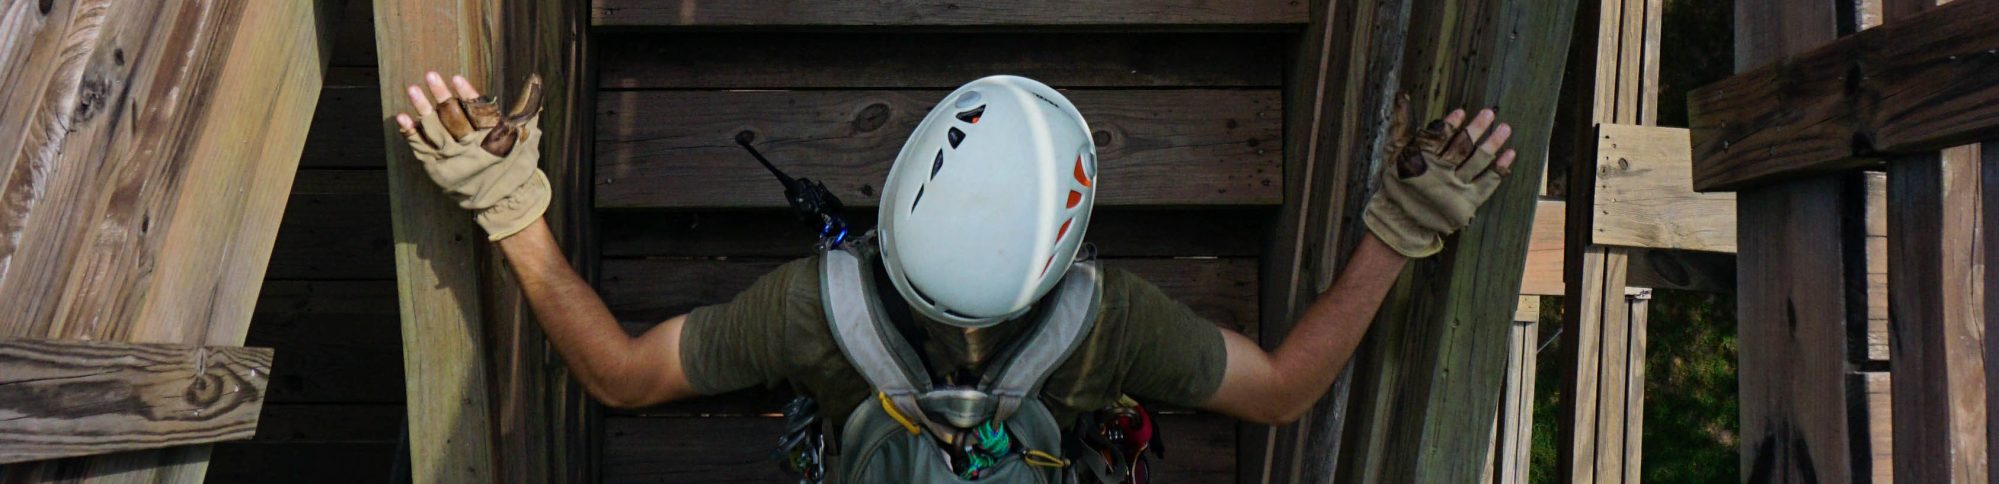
{"x":1800,"y":253}
{"x":1336,"y":110}
{"x":1595,"y":358}
{"x":1933,"y":315}
{"x":1425,"y":398}
{"x":451,"y":427}
{"x":1988,"y":193}
{"x":150,"y":152}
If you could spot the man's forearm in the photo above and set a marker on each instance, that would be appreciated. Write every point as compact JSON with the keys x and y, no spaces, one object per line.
{"x":606,"y":360}
{"x":1325,"y":336}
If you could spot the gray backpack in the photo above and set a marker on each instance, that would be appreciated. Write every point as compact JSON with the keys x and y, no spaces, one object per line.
{"x":902,"y":434}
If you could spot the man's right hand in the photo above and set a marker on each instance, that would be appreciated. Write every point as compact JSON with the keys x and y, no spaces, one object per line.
{"x":1433,"y":182}
{"x":485,"y":161}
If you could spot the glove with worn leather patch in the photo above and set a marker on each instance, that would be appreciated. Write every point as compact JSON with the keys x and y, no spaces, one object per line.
{"x":1438,"y":180}
{"x":488,"y":163}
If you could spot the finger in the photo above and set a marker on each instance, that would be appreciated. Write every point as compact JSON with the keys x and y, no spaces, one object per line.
{"x":500,"y":141}
{"x":1451,"y":121}
{"x":484,"y":111}
{"x":1505,"y":164}
{"x":528,"y":102}
{"x":1461,"y":144}
{"x":1477,"y":162}
{"x":422,"y":102}
{"x":1398,"y":122}
{"x":452,"y":113}
{"x":1498,"y":139}
{"x":437,"y":89}
{"x":464,"y":88}
{"x":404,"y":123}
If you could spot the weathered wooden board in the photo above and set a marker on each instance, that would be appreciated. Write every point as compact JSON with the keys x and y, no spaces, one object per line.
{"x":937,"y":60}
{"x":139,"y":203}
{"x":1123,"y":13}
{"x":1200,"y":448}
{"x":1513,"y":444}
{"x":1988,"y":194}
{"x":644,"y":292}
{"x":1919,"y":83}
{"x":1879,"y":426}
{"x":770,"y":233}
{"x":69,"y":398}
{"x":1429,"y":417}
{"x":1792,"y":283}
{"x":451,"y":425}
{"x":1936,"y":324}
{"x":1876,"y":225}
{"x":1644,"y":197}
{"x":1181,"y":147}
{"x":338,"y":341}
{"x":1543,"y":273}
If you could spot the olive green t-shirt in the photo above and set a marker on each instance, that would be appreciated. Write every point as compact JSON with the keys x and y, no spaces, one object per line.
{"x":1144,"y":344}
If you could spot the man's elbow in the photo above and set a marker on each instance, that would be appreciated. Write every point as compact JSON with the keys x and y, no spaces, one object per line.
{"x":1279,"y":412}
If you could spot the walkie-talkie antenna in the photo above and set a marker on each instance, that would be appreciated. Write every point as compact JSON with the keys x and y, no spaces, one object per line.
{"x":810,"y":200}
{"x":744,"y":139}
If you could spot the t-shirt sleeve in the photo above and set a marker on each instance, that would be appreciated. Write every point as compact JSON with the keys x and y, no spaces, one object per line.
{"x":1173,"y":355}
{"x":740,"y":344}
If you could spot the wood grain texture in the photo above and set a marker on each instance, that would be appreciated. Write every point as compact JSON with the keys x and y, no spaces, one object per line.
{"x":770,"y":233}
{"x":643,"y":292}
{"x":1181,"y":147}
{"x":437,"y":265}
{"x":1876,"y":225}
{"x":1917,"y":83}
{"x":1201,"y":448}
{"x":1988,"y":194}
{"x":136,"y":203}
{"x":1543,"y":273}
{"x":1189,"y":13}
{"x":1794,"y":275}
{"x":1936,"y":325}
{"x":1645,"y":198}
{"x":1513,"y":445}
{"x":70,"y":398}
{"x":1878,"y":393}
{"x":936,"y":60}
{"x":1439,"y":372}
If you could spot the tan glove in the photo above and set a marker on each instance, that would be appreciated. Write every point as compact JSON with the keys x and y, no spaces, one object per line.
{"x":1437,"y":182}
{"x":485,"y":162}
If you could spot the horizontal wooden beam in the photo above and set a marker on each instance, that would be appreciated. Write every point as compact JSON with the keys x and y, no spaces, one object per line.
{"x":916,"y":13}
{"x":1923,"y":83}
{"x":65,"y":398}
{"x":938,"y":60}
{"x":1645,"y":198}
{"x":676,"y":148}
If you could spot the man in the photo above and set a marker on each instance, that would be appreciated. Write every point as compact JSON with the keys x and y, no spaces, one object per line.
{"x":982,"y":216}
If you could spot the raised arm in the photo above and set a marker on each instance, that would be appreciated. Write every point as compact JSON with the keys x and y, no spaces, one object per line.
{"x":487,"y":162}
{"x":1436,"y":185}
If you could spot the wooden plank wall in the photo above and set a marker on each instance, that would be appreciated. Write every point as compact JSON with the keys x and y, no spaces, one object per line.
{"x":1187,"y":114}
{"x":151,"y":152}
{"x":1797,"y":267}
{"x":335,"y":407}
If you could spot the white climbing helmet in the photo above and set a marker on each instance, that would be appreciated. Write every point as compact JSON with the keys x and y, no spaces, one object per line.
{"x":986,"y":205}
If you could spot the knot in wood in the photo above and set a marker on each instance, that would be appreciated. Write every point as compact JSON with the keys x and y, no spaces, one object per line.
{"x":871,"y":117}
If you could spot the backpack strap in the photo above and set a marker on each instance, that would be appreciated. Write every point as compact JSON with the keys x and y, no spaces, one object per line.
{"x":1060,"y":331}
{"x":858,"y":328}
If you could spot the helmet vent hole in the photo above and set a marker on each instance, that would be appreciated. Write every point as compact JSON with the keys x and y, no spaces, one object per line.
{"x":955,"y":136}
{"x":937,"y":165}
{"x":919,"y":198}
{"x":973,"y":115}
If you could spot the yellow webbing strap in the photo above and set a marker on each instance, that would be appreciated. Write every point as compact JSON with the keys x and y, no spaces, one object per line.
{"x":1038,"y":458}
{"x":899,"y":418}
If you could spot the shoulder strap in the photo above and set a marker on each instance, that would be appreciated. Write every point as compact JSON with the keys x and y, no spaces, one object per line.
{"x":857,"y":328}
{"x":1060,"y":330}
